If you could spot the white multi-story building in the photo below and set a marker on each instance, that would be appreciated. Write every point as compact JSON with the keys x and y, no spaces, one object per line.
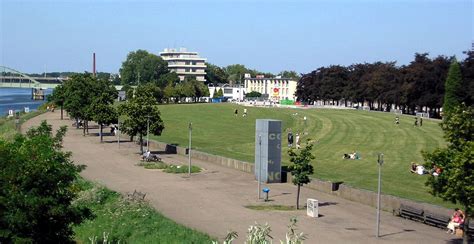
{"x":185,"y":63}
{"x":275,"y":88}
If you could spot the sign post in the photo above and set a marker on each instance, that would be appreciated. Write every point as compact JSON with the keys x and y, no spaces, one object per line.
{"x":379,"y":162}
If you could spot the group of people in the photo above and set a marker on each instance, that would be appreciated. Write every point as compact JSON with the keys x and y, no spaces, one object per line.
{"x":420,"y":169}
{"x":416,"y":123}
{"x":353,"y":155}
{"x":457,"y":219}
{"x":296,"y":140}
{"x":50,"y":108}
{"x":236,"y":112}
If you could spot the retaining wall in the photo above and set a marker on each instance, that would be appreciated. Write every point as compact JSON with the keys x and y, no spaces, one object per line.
{"x":388,"y":203}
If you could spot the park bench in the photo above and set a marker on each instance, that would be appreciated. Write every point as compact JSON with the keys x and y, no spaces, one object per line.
{"x":136,"y":196}
{"x":437,"y":220}
{"x":411,"y":212}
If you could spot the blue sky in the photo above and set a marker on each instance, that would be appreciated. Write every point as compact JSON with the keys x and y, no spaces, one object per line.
{"x":265,"y":35}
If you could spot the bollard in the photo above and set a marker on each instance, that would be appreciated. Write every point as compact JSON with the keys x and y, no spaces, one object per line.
{"x":266,"y":191}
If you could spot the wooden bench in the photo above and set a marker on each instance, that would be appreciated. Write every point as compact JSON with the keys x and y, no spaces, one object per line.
{"x":411,"y":212}
{"x":437,"y":220}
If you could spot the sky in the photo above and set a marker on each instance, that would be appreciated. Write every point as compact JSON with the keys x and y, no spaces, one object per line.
{"x":267,"y":35}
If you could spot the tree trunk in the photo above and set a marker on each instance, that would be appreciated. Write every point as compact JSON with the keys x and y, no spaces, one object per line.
{"x":467,"y":215}
{"x":77,"y":123}
{"x":131,"y":138}
{"x":84,"y":128}
{"x":100,"y":132}
{"x":61,"y":112}
{"x":141,"y":143}
{"x":87,"y":126}
{"x":298,"y":197}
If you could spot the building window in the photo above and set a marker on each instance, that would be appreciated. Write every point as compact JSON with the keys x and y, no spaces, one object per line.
{"x":187,"y":62}
{"x":186,"y":70}
{"x":194,"y":62}
{"x":193,"y":70}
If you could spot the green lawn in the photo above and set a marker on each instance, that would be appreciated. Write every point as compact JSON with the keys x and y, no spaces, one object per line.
{"x":216,"y":130}
{"x":124,"y":221}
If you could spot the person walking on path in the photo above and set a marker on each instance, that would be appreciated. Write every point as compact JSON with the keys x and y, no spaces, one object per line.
{"x":245,"y":113}
{"x":236,"y":112}
{"x":416,"y":122}
{"x":421,"y":122}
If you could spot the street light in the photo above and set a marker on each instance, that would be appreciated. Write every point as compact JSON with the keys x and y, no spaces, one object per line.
{"x":259,"y":164}
{"x":189,"y":148}
{"x":379,"y":162}
{"x":147,"y":132}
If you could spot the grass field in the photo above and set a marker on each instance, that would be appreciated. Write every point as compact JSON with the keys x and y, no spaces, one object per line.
{"x":124,"y":221}
{"x":216,"y":130}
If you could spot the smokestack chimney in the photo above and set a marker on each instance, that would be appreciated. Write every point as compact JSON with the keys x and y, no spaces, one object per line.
{"x":93,"y":64}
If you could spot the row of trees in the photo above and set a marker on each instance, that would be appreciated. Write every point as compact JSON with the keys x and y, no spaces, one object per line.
{"x":381,"y":85}
{"x":234,"y":73}
{"x":87,"y":98}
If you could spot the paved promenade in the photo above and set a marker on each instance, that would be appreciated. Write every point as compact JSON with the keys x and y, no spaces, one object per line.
{"x":213,"y":201}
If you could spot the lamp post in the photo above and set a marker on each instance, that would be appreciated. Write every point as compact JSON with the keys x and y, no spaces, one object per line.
{"x":259,"y":164}
{"x":189,"y":148}
{"x":147,"y":132}
{"x":379,"y":162}
{"x":118,"y":132}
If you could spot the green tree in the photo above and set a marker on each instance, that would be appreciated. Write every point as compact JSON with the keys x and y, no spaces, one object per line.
{"x":101,"y":108}
{"x":253,"y":94}
{"x":166,"y":79}
{"x":290,"y":74}
{"x":37,"y":189}
{"x":58,"y":97}
{"x":220,"y":93}
{"x":456,"y":182}
{"x":301,"y":168}
{"x":140,"y":111}
{"x":142,"y":66}
{"x":453,"y":88}
{"x":215,"y":74}
{"x":77,"y":91}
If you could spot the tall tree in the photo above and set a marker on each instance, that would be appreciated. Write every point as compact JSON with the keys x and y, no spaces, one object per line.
{"x":142,"y":66}
{"x":456,"y":182}
{"x":77,"y":91}
{"x":37,"y":189}
{"x":140,"y":111}
{"x":101,"y":109}
{"x":215,"y":74}
{"x":58,"y":97}
{"x":301,"y":168}
{"x":290,"y":74}
{"x":467,"y":70}
{"x":166,"y":79}
{"x":453,"y":88}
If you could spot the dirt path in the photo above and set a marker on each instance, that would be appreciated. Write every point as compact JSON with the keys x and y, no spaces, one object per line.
{"x":213,"y":201}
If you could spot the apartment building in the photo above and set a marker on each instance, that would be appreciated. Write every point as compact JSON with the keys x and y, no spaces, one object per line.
{"x":275,"y":89}
{"x":185,"y":63}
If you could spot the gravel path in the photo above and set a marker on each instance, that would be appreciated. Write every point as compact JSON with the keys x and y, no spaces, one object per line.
{"x":214,"y":200}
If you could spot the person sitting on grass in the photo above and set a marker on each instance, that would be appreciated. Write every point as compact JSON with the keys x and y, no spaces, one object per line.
{"x":413,"y":167}
{"x":417,"y":169}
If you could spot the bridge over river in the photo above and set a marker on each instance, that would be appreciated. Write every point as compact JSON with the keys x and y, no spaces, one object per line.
{"x":10,"y":78}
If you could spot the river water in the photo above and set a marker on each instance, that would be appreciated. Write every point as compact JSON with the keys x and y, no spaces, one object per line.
{"x":18,"y":99}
